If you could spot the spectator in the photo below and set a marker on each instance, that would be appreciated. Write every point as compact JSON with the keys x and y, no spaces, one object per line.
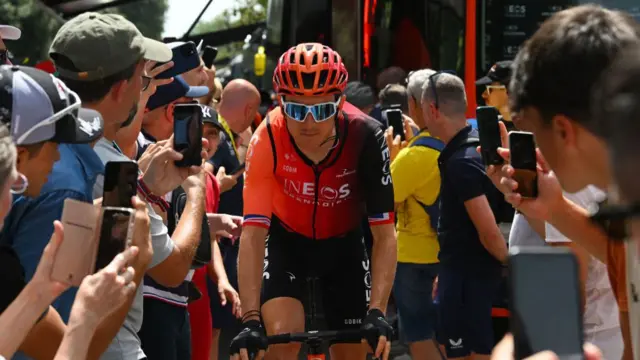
{"x":416,"y":187}
{"x":496,"y":93}
{"x":22,"y":88}
{"x":119,"y":51}
{"x":360,"y":95}
{"x":391,"y":75}
{"x":394,"y":94}
{"x":166,"y":315}
{"x":556,"y":108}
{"x":236,"y":110}
{"x":472,"y":248}
{"x":7,"y":32}
{"x":211,"y":84}
{"x":616,"y":97}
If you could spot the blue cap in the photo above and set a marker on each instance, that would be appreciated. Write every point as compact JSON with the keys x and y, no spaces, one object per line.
{"x":166,"y":94}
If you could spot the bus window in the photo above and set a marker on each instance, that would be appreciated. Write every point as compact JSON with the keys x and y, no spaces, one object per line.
{"x":311,"y":21}
{"x":417,"y":34}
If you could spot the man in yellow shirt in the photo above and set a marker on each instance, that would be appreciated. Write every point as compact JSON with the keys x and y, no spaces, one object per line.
{"x":416,"y":185}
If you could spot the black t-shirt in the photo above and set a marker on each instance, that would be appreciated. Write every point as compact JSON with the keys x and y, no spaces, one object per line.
{"x":463,"y":178}
{"x":12,"y":279}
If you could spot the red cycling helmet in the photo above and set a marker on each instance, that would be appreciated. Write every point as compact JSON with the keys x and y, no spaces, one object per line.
{"x":310,"y":69}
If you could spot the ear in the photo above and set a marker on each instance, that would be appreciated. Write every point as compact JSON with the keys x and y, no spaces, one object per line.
{"x":21,"y":158}
{"x":564,"y":129}
{"x":118,"y":90}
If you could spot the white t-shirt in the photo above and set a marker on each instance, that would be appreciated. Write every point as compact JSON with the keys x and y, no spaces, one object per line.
{"x":126,"y":344}
{"x":522,"y":234}
{"x":601,"y":316}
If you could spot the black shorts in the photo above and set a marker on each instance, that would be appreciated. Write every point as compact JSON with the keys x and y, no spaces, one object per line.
{"x":340,"y":265}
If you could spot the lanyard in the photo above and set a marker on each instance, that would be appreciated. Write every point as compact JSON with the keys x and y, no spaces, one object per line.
{"x":227,"y":130}
{"x":115,"y":146}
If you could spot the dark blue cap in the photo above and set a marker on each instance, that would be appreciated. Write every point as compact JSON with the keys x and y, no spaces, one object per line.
{"x":166,"y":94}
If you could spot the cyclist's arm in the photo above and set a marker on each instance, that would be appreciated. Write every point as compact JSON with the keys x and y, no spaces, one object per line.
{"x":378,"y":189}
{"x":257,"y":195}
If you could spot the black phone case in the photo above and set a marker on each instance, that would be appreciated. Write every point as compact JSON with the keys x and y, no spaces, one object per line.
{"x":526,"y":177}
{"x":489,"y":130}
{"x":125,"y":191}
{"x":185,"y":58}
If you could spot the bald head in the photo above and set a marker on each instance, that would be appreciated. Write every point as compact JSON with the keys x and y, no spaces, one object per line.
{"x":238,"y":104}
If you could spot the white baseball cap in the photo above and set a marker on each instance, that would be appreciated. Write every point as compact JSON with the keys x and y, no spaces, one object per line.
{"x":8,"y":32}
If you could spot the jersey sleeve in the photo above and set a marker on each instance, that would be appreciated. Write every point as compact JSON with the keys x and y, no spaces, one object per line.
{"x":259,"y":180}
{"x":375,"y":177}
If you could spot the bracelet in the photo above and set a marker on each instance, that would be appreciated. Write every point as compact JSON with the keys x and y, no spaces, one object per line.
{"x":150,"y":197}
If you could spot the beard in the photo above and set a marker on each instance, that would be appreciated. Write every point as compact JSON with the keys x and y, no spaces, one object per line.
{"x":131,"y":116}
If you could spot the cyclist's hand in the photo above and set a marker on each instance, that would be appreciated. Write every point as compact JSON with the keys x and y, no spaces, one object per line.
{"x":251,"y":343}
{"x":377,"y":334}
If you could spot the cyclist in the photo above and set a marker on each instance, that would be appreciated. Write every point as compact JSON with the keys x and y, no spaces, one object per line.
{"x":315,"y":167}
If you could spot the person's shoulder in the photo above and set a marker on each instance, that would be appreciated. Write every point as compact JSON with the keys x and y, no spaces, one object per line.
{"x":70,"y":172}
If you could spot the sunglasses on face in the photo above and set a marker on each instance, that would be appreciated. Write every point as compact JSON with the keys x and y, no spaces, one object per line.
{"x":433,"y":81}
{"x":613,"y":219}
{"x":320,"y":112}
{"x":491,"y":88}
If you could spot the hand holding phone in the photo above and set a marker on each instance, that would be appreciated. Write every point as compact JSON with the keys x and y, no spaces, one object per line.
{"x":394,"y":119}
{"x":524,"y":162}
{"x":546,"y":309}
{"x":120,"y":183}
{"x":187,"y":134}
{"x":489,"y":130}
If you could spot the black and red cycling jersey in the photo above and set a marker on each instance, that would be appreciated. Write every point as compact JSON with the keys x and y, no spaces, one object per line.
{"x":325,"y":200}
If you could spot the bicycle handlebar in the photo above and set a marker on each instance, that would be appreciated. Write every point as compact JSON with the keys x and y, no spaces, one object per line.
{"x":340,"y":336}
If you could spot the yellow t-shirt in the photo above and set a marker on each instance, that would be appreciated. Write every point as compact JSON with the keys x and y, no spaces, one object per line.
{"x":416,"y":175}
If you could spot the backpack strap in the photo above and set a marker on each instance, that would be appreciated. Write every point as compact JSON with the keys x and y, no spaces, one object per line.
{"x":429,"y":142}
{"x":432,"y":210}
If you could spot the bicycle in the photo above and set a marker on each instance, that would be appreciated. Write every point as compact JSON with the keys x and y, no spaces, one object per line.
{"x":316,"y":340}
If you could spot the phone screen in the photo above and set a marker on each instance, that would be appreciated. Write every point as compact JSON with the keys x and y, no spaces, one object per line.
{"x":187,"y":133}
{"x":487,"y":117}
{"x":546,"y":303}
{"x":523,"y":159}
{"x":394,"y":119}
{"x":114,"y":233}
{"x":120,"y":183}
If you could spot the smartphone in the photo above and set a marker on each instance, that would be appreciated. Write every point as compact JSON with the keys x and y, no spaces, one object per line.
{"x":115,"y":234}
{"x":487,"y":118}
{"x":120,"y":183}
{"x":76,"y":256}
{"x":187,"y":134}
{"x":209,"y":55}
{"x":185,"y":57}
{"x":523,"y":159}
{"x":535,"y":274}
{"x":394,"y":118}
{"x":237,"y":170}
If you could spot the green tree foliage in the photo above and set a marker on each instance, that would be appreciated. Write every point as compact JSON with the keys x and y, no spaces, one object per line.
{"x":245,"y":12}
{"x":40,"y":24}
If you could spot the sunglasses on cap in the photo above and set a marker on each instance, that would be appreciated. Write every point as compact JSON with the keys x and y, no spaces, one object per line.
{"x":320,"y":112}
{"x":433,"y":81}
{"x":613,"y":219}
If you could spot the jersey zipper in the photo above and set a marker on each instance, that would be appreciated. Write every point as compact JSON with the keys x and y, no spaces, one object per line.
{"x":316,"y":172}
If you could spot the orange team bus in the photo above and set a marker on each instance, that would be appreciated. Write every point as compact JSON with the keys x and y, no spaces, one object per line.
{"x":466,"y":36}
